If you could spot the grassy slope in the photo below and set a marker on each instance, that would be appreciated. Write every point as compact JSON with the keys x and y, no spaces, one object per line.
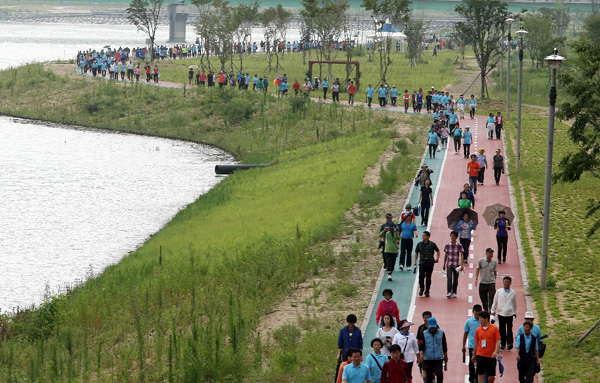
{"x":189,"y":313}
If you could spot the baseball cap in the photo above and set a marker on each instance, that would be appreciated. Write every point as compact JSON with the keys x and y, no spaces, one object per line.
{"x":489,"y":250}
{"x":388,"y":215}
{"x":497,"y":150}
{"x":432,"y":322}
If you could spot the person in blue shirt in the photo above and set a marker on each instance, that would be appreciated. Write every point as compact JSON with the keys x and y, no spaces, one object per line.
{"x":490,"y":125}
{"x":376,"y":360}
{"x":467,"y":139}
{"x":381,"y":93}
{"x":457,"y":135}
{"x":103,"y":67}
{"x":535,"y":329}
{"x":472,"y":106}
{"x":254,"y":82}
{"x":285,"y":88}
{"x":436,"y":101}
{"x":433,"y":143}
{"x":408,"y":231}
{"x":461,"y":103}
{"x":469,"y":335}
{"x":452,"y":119}
{"x":356,"y":372}
{"x":370,"y":92}
{"x":280,"y":89}
{"x":394,"y":95}
{"x":325,"y":87}
{"x":528,"y":358}
{"x":350,"y":337}
{"x":247,"y":81}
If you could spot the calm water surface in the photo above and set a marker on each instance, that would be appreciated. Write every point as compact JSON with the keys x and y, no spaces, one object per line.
{"x":73,"y":201}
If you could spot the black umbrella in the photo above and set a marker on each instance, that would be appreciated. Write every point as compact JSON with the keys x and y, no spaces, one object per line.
{"x":457,"y":214}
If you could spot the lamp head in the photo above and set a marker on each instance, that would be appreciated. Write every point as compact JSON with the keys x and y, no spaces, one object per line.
{"x":509,"y":21}
{"x":554,"y":60}
{"x":522,"y":33}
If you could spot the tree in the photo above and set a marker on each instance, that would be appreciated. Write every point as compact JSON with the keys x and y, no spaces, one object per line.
{"x":244,"y":17}
{"x":396,"y":11}
{"x":274,"y":21}
{"x":216,"y":32}
{"x":462,"y":42}
{"x":484,"y":21}
{"x":580,"y":80}
{"x":414,"y":29}
{"x":541,"y":36}
{"x":145,"y":15}
{"x":591,"y":25}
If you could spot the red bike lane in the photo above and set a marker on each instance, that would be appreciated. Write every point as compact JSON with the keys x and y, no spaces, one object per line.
{"x":451,"y":313}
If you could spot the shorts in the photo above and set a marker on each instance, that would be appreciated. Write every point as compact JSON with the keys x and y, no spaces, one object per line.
{"x":486,"y":365}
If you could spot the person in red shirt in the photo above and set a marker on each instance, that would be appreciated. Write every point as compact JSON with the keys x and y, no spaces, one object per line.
{"x":395,"y":370}
{"x":473,"y":170}
{"x":499,"y":125}
{"x":351,"y":93}
{"x":406,"y":99}
{"x":202,"y":78}
{"x":387,"y":306}
{"x":221,"y":80}
{"x":486,"y":348}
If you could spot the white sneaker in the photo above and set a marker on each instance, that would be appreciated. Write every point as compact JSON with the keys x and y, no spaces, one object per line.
{"x":408,"y":268}
{"x":401,"y":268}
{"x":389,"y":277}
{"x":449,"y":295}
{"x":453,"y":295}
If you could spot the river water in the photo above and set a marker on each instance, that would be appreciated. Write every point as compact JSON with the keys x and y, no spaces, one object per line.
{"x":73,"y":201}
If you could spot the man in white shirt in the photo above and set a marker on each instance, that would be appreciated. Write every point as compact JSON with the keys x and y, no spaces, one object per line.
{"x":505,"y":307}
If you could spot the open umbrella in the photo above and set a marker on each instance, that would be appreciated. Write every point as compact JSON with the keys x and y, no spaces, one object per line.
{"x":193,"y":66}
{"x":457,"y":214}
{"x":491,"y":213}
{"x":107,"y":46}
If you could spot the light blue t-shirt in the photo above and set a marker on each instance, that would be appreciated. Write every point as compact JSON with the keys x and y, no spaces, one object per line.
{"x":461,"y":101}
{"x":452,"y":117}
{"x":467,"y":136}
{"x":357,"y":374}
{"x":433,"y":138}
{"x":490,"y":120}
{"x":394,"y":92}
{"x":408,"y":230}
{"x":435,"y":98}
{"x":470,"y":327}
{"x":472,"y":102}
{"x":527,"y":343}
{"x":381,"y":92}
{"x":370,"y":92}
{"x":325,"y":84}
{"x":373,"y":367}
{"x":535,"y":330}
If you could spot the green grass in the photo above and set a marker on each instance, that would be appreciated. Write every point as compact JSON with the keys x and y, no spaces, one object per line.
{"x":569,"y":306}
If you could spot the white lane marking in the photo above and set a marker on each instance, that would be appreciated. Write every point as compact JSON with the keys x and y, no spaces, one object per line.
{"x":470,"y":275}
{"x":470,"y":312}
{"x":470,"y":286}
{"x":470,"y":247}
{"x":470,"y":299}
{"x":470,"y":265}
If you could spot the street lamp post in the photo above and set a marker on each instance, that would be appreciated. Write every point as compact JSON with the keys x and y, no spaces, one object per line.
{"x":509,"y":21}
{"x":521,"y":33}
{"x":554,"y":61}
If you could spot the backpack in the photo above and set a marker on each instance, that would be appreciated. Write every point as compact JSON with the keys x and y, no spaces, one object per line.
{"x":541,"y":348}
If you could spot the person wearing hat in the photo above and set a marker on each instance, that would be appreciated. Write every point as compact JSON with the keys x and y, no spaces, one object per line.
{"x":535,"y":329}
{"x":407,"y":341}
{"x":498,"y":161}
{"x":394,"y":95}
{"x":433,"y":352}
{"x":505,"y":308}
{"x":471,"y":326}
{"x":423,"y":175}
{"x":486,"y":269}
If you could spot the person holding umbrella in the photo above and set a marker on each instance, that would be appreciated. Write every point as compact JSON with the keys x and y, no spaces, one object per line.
{"x":464,"y":227}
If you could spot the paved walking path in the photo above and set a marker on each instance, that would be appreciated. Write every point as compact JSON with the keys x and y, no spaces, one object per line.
{"x":451,"y":314}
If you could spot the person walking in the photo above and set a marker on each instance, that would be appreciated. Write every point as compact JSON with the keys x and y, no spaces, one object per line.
{"x":499,"y":125}
{"x":381,"y":93}
{"x":426,"y":249}
{"x":433,"y":350}
{"x":464,"y":202}
{"x":528,"y":357}
{"x":351,"y":93}
{"x":426,"y":200}
{"x":505,"y":306}
{"x":391,"y":237}
{"x":472,"y":106}
{"x":387,"y":306}
{"x":350,"y":337}
{"x":356,"y":372}
{"x":386,"y":333}
{"x":325,"y":87}
{"x":482,"y":159}
{"x":535,"y":329}
{"x":433,"y":142}
{"x":376,"y":360}
{"x":335,"y":92}
{"x":498,"y":161}
{"x":464,"y":227}
{"x":461,"y":104}
{"x":470,"y":194}
{"x":408,"y":231}
{"x":467,"y":140}
{"x":502,"y":227}
{"x":471,"y":326}
{"x":473,"y":171}
{"x":491,"y":126}
{"x":486,"y":269}
{"x":395,"y":369}
{"x":370,"y":91}
{"x":486,"y":348}
{"x":453,"y":254}
{"x":388,"y":222}
{"x":407,"y":342}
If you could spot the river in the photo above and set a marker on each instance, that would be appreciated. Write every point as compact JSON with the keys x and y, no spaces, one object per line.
{"x":73,"y":201}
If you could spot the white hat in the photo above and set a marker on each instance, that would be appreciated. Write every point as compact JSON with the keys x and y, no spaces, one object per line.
{"x":529,"y":314}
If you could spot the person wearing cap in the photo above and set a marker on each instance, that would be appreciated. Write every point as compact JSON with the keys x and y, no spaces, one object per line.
{"x":528,"y":357}
{"x":535,"y":329}
{"x":498,"y":161}
{"x":471,"y":326}
{"x":423,"y":175}
{"x":426,"y":249}
{"x":433,"y":351}
{"x":407,"y":342}
{"x":388,"y":222}
{"x":408,"y":231}
{"x":486,"y":348}
{"x":453,"y":255}
{"x":461,"y":105}
{"x":395,"y":369}
{"x":391,"y":237}
{"x":467,"y":139}
{"x":505,"y":306}
{"x":502,"y":227}
{"x":394,"y":95}
{"x":486,"y":269}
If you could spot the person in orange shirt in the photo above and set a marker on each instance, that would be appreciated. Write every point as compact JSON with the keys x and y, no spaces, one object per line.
{"x":486,"y":348}
{"x":340,"y":371}
{"x":473,"y":168}
{"x":221,"y":80}
{"x":351,"y":92}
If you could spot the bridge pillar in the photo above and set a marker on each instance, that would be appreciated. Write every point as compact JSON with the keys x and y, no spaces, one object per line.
{"x":178,"y":15}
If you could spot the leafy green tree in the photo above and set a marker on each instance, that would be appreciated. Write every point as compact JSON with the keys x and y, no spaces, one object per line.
{"x":145,"y":15}
{"x":483,"y":22}
{"x":542,"y":36}
{"x":397,"y":11}
{"x":244,"y":17}
{"x":580,"y":79}
{"x":274,"y":21}
{"x":216,"y":32}
{"x":592,"y":27}
{"x":414,"y":29}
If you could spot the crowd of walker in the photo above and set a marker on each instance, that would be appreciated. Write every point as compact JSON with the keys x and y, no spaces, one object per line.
{"x":396,"y":349}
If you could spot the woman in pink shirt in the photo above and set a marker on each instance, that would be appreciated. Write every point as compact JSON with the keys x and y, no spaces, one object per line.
{"x":387,"y":306}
